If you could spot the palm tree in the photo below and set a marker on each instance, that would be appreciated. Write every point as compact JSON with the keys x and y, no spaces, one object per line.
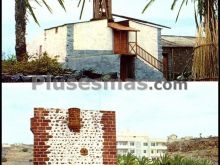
{"x":128,"y":159}
{"x":143,"y":161}
{"x":165,"y":160}
{"x":20,"y":29}
{"x":177,"y":160}
{"x":205,"y":64}
{"x":190,"y":161}
{"x":21,"y":9}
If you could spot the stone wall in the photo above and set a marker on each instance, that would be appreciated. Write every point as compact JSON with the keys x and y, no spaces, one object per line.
{"x":106,"y":63}
{"x":74,"y":136}
{"x":177,"y":60}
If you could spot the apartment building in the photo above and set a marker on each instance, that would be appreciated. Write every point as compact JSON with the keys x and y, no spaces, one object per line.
{"x":140,"y":145}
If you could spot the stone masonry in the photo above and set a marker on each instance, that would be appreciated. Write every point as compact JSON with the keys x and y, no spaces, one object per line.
{"x":74,"y":136}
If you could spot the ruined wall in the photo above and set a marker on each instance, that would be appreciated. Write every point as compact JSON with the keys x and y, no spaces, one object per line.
{"x":74,"y":136}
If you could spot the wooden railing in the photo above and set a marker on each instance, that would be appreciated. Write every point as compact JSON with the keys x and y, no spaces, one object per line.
{"x":139,"y":51}
{"x":132,"y":48}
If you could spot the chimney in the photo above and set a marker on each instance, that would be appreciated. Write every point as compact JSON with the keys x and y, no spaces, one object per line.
{"x":74,"y":119}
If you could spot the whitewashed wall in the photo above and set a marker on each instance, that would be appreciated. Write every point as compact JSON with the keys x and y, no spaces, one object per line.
{"x":147,"y":37}
{"x":94,"y":35}
{"x":55,"y":43}
{"x":33,"y":47}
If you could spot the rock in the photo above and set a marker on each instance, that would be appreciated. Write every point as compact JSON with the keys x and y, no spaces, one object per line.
{"x":17,"y":77}
{"x":91,"y":74}
{"x":109,"y":76}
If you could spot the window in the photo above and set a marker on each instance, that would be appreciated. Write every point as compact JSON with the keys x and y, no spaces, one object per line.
{"x":123,"y":143}
{"x":152,"y":151}
{"x":131,"y":151}
{"x":131,"y":143}
{"x":152,"y":144}
{"x":145,"y":151}
{"x":145,"y":144}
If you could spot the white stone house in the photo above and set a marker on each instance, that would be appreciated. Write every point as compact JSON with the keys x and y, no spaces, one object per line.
{"x":105,"y":47}
{"x":140,"y":145}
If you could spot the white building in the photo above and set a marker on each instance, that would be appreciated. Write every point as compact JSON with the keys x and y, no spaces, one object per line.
{"x":131,"y":47}
{"x":6,"y":145}
{"x":140,"y":145}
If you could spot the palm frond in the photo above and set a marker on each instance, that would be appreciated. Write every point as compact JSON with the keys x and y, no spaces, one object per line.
{"x":180,"y":9}
{"x":82,"y":8}
{"x":196,"y":15}
{"x":174,"y":4}
{"x":48,"y":7}
{"x":61,"y":2}
{"x":30,"y":9}
{"x":149,"y":3}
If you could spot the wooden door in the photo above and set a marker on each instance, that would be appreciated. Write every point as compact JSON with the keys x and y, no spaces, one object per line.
{"x":120,"y":42}
{"x":165,"y":66}
{"x":127,"y":67}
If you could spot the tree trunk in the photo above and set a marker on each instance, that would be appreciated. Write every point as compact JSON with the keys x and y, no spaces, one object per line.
{"x":20,"y":30}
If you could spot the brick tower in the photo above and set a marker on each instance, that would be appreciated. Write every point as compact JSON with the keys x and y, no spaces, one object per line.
{"x":74,"y":136}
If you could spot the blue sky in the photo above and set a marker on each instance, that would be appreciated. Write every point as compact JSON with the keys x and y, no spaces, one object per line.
{"x":159,"y":13}
{"x":155,"y":113}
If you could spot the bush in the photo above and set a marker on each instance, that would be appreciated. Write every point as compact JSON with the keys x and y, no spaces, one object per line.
{"x":42,"y":65}
{"x":24,"y":150}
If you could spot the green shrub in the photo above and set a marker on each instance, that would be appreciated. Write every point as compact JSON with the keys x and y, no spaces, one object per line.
{"x":41,"y":65}
{"x":24,"y":150}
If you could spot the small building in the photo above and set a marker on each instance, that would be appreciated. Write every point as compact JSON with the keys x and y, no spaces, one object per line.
{"x":177,"y":55}
{"x":130,"y":47}
{"x":6,"y":145}
{"x":140,"y":145}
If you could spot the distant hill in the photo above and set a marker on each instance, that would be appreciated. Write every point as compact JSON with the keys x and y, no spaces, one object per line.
{"x":17,"y":155}
{"x":205,"y":148}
